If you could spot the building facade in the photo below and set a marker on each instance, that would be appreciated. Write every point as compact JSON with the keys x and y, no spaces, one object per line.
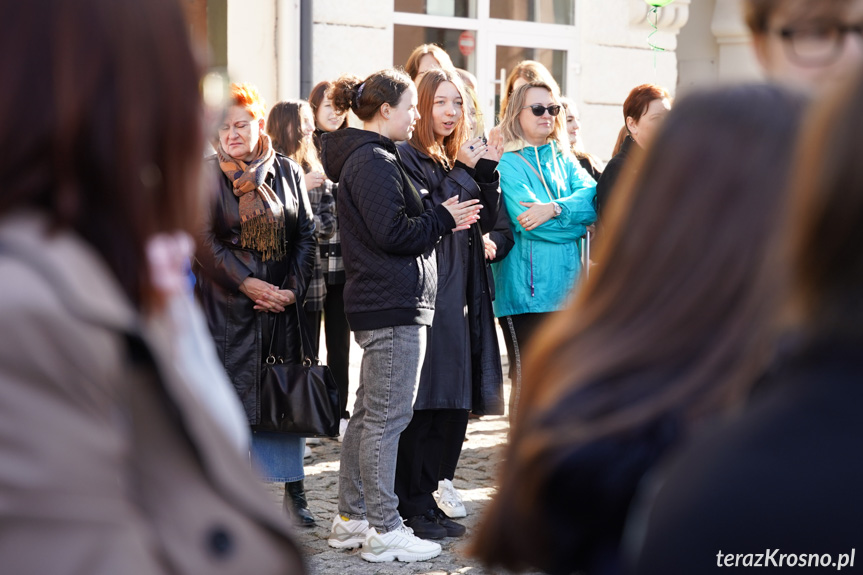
{"x":596,"y":49}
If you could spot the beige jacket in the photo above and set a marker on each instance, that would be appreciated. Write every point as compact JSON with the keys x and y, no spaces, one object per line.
{"x":108,"y":463}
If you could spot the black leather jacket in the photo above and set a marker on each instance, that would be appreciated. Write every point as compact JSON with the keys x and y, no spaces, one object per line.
{"x":242,"y":334}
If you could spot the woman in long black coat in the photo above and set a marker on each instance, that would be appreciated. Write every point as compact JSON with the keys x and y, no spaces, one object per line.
{"x":462,"y":370}
{"x":257,"y":259}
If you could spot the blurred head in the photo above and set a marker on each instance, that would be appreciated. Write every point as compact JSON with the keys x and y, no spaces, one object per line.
{"x":827,"y":219}
{"x":386,"y":102}
{"x":443,"y":126}
{"x":573,"y":122}
{"x":644,"y":110}
{"x":90,"y":142}
{"x":804,"y":43}
{"x":469,"y":79}
{"x":243,"y":123}
{"x":427,"y":57}
{"x":326,"y":117}
{"x":526,"y":71}
{"x":473,"y":112}
{"x":291,"y":126}
{"x":521,"y":121}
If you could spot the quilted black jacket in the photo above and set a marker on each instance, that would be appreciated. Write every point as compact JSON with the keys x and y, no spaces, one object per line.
{"x":388,"y":236}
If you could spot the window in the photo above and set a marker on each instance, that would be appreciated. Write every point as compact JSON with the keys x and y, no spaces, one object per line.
{"x":542,"y":11}
{"x":406,"y":38}
{"x":457,"y":8}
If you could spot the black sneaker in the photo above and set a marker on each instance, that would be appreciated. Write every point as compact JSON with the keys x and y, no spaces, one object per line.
{"x":452,"y":528}
{"x":425,"y":526}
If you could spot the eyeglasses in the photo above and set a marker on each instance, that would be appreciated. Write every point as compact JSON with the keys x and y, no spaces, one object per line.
{"x":817,"y":44}
{"x":538,"y":110}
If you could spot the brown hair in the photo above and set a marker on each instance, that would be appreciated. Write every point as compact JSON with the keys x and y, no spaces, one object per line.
{"x":89,"y":141}
{"x":424,"y":138}
{"x":677,"y":317}
{"x":510,"y":126}
{"x":639,"y":99}
{"x":412,"y":66}
{"x":533,"y":73}
{"x":826,"y":227}
{"x":365,"y":97}
{"x":285,"y":127}
{"x":317,"y":95}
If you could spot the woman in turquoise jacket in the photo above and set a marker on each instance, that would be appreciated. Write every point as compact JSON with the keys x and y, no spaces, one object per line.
{"x":550,"y":200}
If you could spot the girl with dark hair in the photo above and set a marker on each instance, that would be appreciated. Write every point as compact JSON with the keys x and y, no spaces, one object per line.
{"x":643,"y":112}
{"x":123,"y":446}
{"x":258,"y":255}
{"x":677,"y":329}
{"x":337,"y":333}
{"x":389,"y":240}
{"x":461,"y":370}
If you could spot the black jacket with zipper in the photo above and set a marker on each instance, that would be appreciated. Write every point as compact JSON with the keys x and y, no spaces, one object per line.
{"x":388,"y":235}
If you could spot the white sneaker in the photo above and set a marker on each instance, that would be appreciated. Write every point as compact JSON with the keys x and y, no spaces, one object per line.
{"x":313,"y":441}
{"x":449,"y":500}
{"x":343,"y":426}
{"x":307,"y":453}
{"x":400,"y":545}
{"x":348,"y":533}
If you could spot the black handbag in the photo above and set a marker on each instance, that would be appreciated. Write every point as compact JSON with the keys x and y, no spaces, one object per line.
{"x":298,"y":398}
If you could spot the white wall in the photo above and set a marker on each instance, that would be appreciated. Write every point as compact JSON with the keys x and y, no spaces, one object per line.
{"x":264,"y":47}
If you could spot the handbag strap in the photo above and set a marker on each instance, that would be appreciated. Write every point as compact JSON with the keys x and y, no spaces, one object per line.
{"x":307,"y":350}
{"x":538,"y":173}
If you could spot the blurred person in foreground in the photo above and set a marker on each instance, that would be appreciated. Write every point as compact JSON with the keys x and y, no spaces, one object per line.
{"x":117,"y":453}
{"x":671,"y":328}
{"x":809,"y":45}
{"x":257,"y":258}
{"x":779,"y":484}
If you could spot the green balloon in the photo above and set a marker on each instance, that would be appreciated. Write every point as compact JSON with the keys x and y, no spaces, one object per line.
{"x":658,"y":3}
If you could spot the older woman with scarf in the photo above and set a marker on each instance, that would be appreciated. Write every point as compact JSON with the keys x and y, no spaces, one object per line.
{"x":257,"y":260}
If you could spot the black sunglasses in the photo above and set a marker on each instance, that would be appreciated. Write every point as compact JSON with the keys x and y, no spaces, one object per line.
{"x":538,"y":110}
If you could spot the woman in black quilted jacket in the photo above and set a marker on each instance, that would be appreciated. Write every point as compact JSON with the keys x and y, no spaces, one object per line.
{"x":388,"y":240}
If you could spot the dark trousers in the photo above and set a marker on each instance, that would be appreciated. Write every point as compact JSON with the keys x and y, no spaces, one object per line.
{"x":338,"y":338}
{"x":421,"y":447}
{"x":523,"y":325}
{"x":456,"y":429}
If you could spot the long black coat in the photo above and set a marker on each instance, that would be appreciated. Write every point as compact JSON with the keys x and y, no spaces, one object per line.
{"x":240,"y":332}
{"x":462,"y":363}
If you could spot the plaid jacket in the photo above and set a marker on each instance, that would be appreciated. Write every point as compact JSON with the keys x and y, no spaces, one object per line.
{"x":324,"y":210}
{"x":331,"y":250}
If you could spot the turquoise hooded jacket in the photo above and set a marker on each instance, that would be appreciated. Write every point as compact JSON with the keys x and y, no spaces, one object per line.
{"x":544,"y":264}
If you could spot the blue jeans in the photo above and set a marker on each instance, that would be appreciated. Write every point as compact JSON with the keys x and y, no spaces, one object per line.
{"x":278,"y":457}
{"x":389,"y":377}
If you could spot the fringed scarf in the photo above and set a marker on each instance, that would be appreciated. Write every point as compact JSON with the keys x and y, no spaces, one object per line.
{"x":262,"y":223}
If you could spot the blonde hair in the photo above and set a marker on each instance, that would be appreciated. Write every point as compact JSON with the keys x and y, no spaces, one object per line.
{"x":532,"y":72}
{"x":510,"y":127}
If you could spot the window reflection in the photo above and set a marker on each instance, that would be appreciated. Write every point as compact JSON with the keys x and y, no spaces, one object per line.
{"x":457,"y":8}
{"x":543,"y":11}
{"x":406,"y":38}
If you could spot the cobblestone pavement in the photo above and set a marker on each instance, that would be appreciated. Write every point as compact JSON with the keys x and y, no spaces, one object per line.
{"x":475,"y":477}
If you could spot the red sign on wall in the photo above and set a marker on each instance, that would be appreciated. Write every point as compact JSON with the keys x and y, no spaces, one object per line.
{"x":466,"y":43}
